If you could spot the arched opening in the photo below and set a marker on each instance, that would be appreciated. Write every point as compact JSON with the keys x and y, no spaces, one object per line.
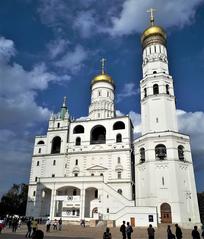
{"x":160,"y":151}
{"x":167,"y":89}
{"x":79,"y":129}
{"x":118,"y":125}
{"x":66,"y":203}
{"x":94,"y":212}
{"x":120,"y":191}
{"x":154,"y":72}
{"x":145,"y":92}
{"x":91,"y":194}
{"x":78,"y":141}
{"x":41,"y":142}
{"x":155,"y":89}
{"x":181,"y":152}
{"x":165,"y":209}
{"x":56,"y":145}
{"x":118,"y":138}
{"x":142,"y":155}
{"x":98,"y":135}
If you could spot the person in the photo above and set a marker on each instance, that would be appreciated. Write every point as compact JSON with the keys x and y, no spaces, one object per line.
{"x":178,"y":232}
{"x":107,"y":234}
{"x":195,"y":233}
{"x":34,"y":225}
{"x":150,"y":231}
{"x":39,"y":234}
{"x":55,"y":224}
{"x":123,"y":230}
{"x":29,"y":228}
{"x":48,"y":224}
{"x":14,"y":224}
{"x":60,"y":224}
{"x":82,"y":223}
{"x":170,"y":235}
{"x":129,"y":230}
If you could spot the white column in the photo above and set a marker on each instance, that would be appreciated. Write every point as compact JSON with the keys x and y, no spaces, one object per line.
{"x":82,"y":203}
{"x":52,"y":204}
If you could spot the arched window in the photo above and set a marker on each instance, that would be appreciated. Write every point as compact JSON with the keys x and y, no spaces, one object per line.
{"x":79,"y":129}
{"x":119,"y":175}
{"x":58,"y":125}
{"x":142,"y":155}
{"x":76,"y":162}
{"x":74,"y":192}
{"x":56,"y":145}
{"x":145,"y":92}
{"x":154,"y":72}
{"x":120,"y":191}
{"x":96,"y":193}
{"x":98,"y":135}
{"x":155,"y":89}
{"x":118,"y":138}
{"x":167,"y":89}
{"x":41,"y":142}
{"x":78,"y":141}
{"x":101,"y":174}
{"x":181,"y":152}
{"x":118,"y":125}
{"x":38,"y":163}
{"x":160,"y":151}
{"x":118,"y":160}
{"x":54,"y":162}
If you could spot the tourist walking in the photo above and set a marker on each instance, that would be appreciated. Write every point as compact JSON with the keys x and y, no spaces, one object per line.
{"x":34,"y":225}
{"x":107,"y":234}
{"x":170,"y":235}
{"x":129,"y":230}
{"x":48,"y":225}
{"x":178,"y":232}
{"x":55,"y":224}
{"x":14,"y":224}
{"x":123,"y":230}
{"x":29,"y":229}
{"x":195,"y":233}
{"x":150,"y":231}
{"x":60,"y":224}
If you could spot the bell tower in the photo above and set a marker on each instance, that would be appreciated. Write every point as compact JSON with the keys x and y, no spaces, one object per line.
{"x":163,"y":163}
{"x":158,"y":109}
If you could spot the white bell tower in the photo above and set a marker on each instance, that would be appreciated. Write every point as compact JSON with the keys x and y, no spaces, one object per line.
{"x":163,"y":163}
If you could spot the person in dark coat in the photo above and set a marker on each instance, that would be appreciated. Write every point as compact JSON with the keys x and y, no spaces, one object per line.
{"x":195,"y":233}
{"x":129,"y":230}
{"x":150,"y":231}
{"x":170,"y":235}
{"x":178,"y":232}
{"x":123,"y":230}
{"x":107,"y":234}
{"x":29,"y":228}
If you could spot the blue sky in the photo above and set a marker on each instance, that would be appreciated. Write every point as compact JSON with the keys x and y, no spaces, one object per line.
{"x":52,"y":48}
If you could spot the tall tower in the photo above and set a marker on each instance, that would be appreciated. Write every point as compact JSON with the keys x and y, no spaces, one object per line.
{"x":102,"y":96}
{"x":163,"y":165}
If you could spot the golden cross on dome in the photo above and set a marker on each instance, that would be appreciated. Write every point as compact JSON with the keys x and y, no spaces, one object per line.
{"x":103,"y":60}
{"x":151,"y":11}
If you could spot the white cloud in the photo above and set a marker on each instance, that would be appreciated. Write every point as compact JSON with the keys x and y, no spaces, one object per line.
{"x":57,"y":47}
{"x":85,"y":23}
{"x":7,"y":49}
{"x":73,"y":60}
{"x":133,"y":16}
{"x":128,"y":91}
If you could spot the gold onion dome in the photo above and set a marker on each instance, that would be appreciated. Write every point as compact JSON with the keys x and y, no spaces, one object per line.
{"x":103,"y":76}
{"x":154,"y":33}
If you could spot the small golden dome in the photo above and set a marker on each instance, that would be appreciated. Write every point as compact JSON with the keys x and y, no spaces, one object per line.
{"x":102,"y":77}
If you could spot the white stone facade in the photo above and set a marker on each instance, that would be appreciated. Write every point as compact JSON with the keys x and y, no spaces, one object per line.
{"x":93,"y":169}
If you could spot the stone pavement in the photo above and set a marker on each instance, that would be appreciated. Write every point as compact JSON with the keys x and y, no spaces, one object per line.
{"x":77,"y":232}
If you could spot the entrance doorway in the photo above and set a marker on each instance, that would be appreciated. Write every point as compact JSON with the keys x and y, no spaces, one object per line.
{"x":165,"y":213}
{"x":132,"y":221}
